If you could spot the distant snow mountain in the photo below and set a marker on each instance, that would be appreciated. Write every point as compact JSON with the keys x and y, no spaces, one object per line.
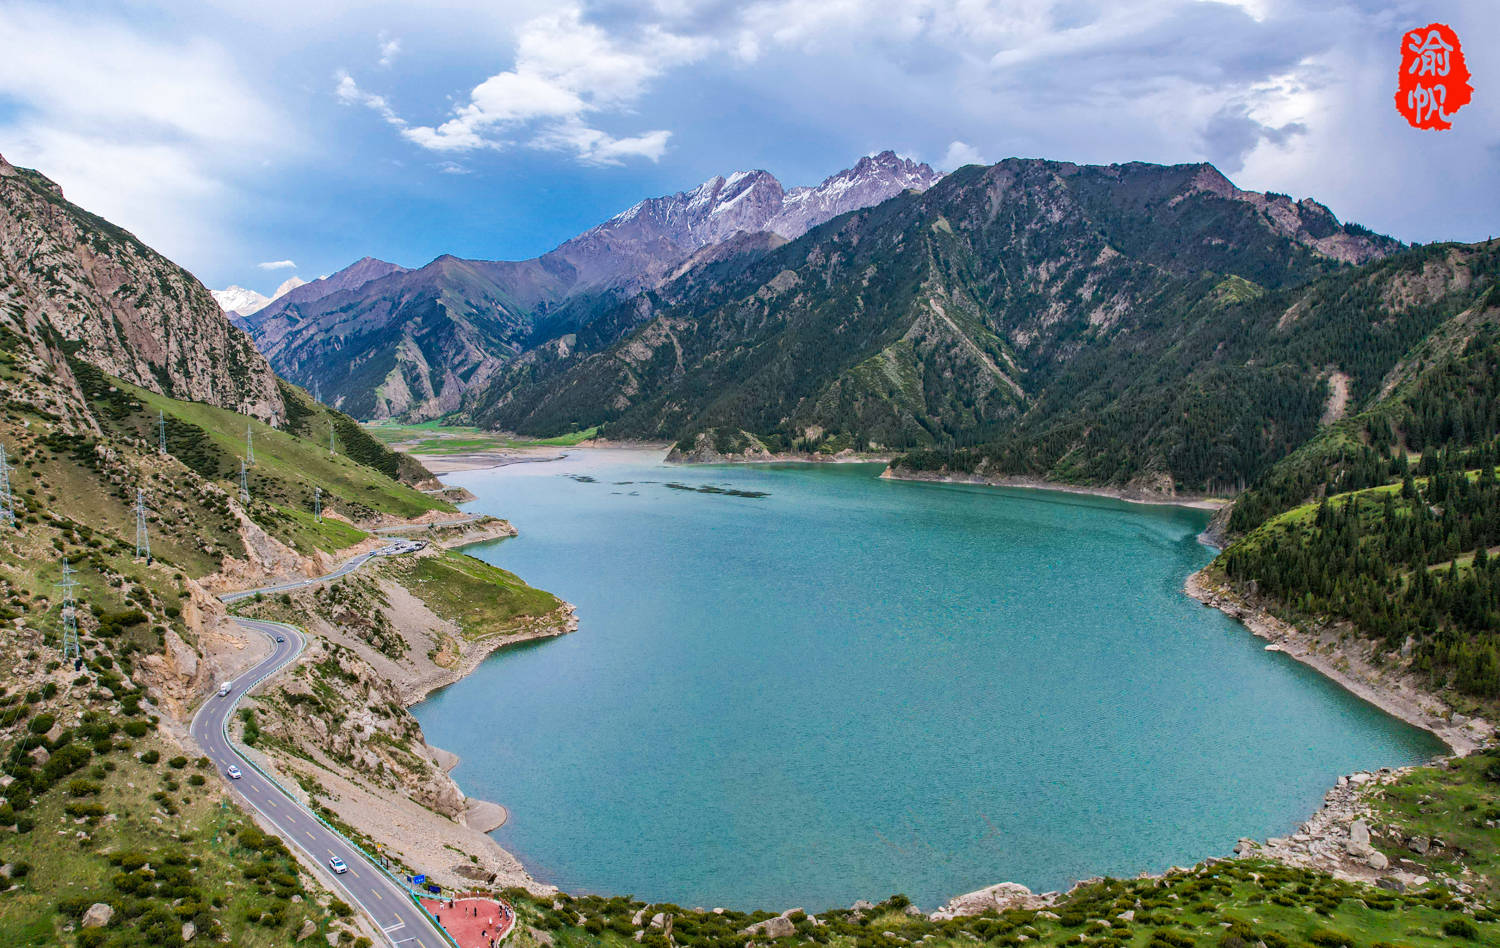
{"x":382,"y":341}
{"x":238,"y":301}
{"x":654,"y":235}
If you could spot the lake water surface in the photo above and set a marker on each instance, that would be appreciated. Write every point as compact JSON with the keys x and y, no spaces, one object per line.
{"x":852,"y":687}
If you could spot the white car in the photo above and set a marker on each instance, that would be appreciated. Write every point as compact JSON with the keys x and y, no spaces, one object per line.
{"x":337,"y":865}
{"x":234,"y":772}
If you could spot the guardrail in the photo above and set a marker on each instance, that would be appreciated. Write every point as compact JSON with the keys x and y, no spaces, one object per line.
{"x":233,"y":746}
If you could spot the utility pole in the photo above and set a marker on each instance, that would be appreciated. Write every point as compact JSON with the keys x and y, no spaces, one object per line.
{"x":249,"y":444}
{"x":318,"y":504}
{"x":244,"y":484}
{"x":7,"y":503}
{"x":142,"y":539}
{"x":161,"y":431}
{"x":70,"y":649}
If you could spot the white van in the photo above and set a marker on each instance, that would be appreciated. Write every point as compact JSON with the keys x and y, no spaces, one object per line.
{"x":224,"y":688}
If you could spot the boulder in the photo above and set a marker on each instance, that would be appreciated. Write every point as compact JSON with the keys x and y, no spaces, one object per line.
{"x":1395,"y":885}
{"x":1000,"y":897}
{"x":1377,"y":860}
{"x":1358,"y":845}
{"x":308,"y":929}
{"x":542,"y":938}
{"x":98,"y":915}
{"x":190,"y":931}
{"x":636,"y":918}
{"x":659,"y":920}
{"x":181,"y":655}
{"x":863,"y":906}
{"x":1419,"y":845}
{"x":777,"y":927}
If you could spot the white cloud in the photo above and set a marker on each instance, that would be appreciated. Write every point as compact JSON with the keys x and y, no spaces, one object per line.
{"x":390,"y":47}
{"x":961,"y":153}
{"x":143,"y":130}
{"x":567,"y":72}
{"x":278,"y":265}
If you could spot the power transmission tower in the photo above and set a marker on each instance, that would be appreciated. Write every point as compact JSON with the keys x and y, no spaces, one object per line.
{"x":244,"y":484}
{"x":249,"y":444}
{"x":318,"y":504}
{"x":142,"y":539}
{"x":330,"y":437}
{"x":317,"y":391}
{"x":7,"y":503}
{"x":161,"y":431}
{"x":70,"y":649}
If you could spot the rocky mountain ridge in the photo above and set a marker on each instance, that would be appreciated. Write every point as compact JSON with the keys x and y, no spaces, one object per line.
{"x":411,"y":343}
{"x":999,"y":299}
{"x":78,"y":285}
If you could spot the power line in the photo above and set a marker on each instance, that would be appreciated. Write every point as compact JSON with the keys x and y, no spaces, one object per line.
{"x":318,"y":504}
{"x":70,"y":649}
{"x":142,"y":539}
{"x":244,"y":484}
{"x":7,"y":503}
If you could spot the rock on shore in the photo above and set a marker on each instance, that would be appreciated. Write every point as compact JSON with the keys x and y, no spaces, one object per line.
{"x":1000,"y":897}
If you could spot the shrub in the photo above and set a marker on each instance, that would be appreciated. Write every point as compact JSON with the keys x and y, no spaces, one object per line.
{"x":83,"y":788}
{"x":150,"y":756}
{"x":137,"y":728}
{"x":1328,"y":938}
{"x":42,"y":723}
{"x":196,"y":780}
{"x":178,"y":762}
{"x":1461,"y":927}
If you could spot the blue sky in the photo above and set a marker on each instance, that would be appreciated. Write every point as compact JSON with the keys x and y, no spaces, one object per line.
{"x":232,"y":135}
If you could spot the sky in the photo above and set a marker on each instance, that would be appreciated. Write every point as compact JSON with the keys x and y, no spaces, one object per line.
{"x":253,"y":142}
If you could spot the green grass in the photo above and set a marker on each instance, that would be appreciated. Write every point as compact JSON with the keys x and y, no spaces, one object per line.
{"x":431,"y":437}
{"x":1458,"y":803}
{"x":484,"y":600}
{"x":1238,"y":904}
{"x":194,"y":832}
{"x":286,"y":467}
{"x":302,"y":531}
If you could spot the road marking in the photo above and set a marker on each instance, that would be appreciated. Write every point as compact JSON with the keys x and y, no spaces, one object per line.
{"x":394,"y":927}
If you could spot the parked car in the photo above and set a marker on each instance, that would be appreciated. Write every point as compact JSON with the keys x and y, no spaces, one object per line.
{"x":280,"y":639}
{"x":337,"y":865}
{"x":234,"y":772}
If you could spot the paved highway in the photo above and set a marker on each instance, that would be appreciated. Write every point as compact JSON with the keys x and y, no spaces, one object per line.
{"x":349,"y":566}
{"x":365,"y":885}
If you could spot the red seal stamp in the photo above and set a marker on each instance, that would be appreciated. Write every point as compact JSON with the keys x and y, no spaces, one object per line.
{"x":1434,"y":80}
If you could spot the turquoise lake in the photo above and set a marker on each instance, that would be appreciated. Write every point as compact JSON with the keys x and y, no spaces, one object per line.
{"x":850,"y":687}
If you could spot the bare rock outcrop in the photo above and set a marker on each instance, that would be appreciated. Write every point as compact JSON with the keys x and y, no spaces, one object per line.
{"x":999,"y":897}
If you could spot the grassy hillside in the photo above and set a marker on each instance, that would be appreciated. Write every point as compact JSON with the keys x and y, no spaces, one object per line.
{"x":211,"y":442}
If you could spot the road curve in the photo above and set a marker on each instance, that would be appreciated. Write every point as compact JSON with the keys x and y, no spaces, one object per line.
{"x":402,"y":921}
{"x":348,"y":566}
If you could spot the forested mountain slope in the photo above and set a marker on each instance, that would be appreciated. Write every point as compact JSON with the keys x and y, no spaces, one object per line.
{"x":1388,"y":520}
{"x":1008,"y":298}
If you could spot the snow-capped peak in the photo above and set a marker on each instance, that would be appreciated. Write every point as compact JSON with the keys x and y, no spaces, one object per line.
{"x":238,"y":301}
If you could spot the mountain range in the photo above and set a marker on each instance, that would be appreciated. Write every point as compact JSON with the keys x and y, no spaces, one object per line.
{"x":1017,"y":299}
{"x":383,"y":341}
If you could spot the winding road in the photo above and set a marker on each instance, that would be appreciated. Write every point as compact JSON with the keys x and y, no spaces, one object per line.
{"x":404,"y":923}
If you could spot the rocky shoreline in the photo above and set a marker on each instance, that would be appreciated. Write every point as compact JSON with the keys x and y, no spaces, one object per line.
{"x":1134,"y":495}
{"x":1349,"y":662}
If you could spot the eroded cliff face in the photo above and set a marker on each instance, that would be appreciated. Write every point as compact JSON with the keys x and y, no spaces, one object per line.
{"x":81,"y":284}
